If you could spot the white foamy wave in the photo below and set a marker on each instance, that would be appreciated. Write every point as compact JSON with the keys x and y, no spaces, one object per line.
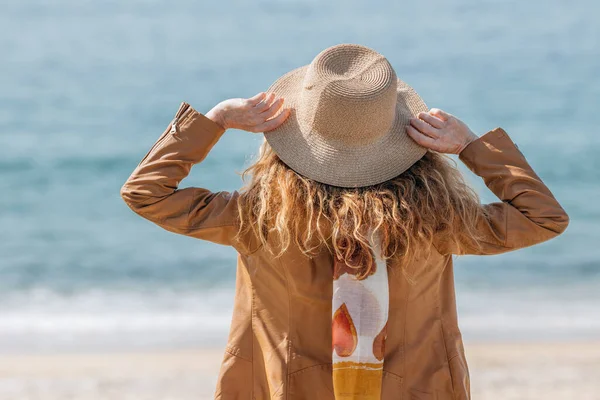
{"x":546,"y":314}
{"x":44,"y":321}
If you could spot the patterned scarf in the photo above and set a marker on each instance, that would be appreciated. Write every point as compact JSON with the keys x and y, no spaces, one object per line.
{"x":360,"y":314}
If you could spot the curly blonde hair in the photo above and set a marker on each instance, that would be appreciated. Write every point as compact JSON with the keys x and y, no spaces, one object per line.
{"x":430,"y":198}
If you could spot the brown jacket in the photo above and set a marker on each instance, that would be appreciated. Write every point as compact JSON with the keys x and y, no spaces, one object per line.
{"x":279,"y":345}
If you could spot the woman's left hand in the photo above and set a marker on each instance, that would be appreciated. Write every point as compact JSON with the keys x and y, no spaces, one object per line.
{"x":257,"y":114}
{"x":439,"y":131}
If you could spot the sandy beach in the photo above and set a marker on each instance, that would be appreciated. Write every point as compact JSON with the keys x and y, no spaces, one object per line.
{"x":498,"y":372}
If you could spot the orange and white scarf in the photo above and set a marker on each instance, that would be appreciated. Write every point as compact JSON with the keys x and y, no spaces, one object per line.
{"x":360,"y":314}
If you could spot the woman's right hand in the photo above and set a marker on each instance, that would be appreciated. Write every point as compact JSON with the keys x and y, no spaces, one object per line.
{"x":439,"y":131}
{"x":257,"y":114}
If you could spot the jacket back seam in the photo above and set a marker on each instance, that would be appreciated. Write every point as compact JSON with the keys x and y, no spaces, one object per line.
{"x":252,"y":330}
{"x":289,"y":327}
{"x":443,"y":332}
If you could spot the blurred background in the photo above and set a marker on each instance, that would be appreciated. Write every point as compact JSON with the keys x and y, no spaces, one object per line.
{"x":86,"y":87}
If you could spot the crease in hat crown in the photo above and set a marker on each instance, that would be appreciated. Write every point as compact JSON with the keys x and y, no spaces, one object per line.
{"x":341,"y":86}
{"x":348,"y":119}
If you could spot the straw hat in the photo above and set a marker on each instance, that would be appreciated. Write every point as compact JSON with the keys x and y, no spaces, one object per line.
{"x":348,"y":117}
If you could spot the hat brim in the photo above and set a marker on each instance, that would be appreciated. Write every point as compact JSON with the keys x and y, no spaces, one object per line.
{"x":322,"y":160}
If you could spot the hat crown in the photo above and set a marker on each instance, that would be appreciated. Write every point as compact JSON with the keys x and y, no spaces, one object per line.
{"x":349,"y":113}
{"x":349,"y":95}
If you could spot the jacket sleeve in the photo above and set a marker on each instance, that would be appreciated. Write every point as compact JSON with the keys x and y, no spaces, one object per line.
{"x":152,"y":189}
{"x":527,"y":214}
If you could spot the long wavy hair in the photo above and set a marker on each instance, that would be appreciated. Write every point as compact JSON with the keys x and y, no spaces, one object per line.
{"x":406,"y":213}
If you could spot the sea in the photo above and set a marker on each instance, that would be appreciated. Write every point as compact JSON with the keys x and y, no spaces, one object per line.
{"x":86,"y":87}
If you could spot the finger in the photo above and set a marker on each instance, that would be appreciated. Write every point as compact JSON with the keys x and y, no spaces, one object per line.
{"x":256,"y":99}
{"x":420,"y":138}
{"x":424,"y":128}
{"x":265,"y":104}
{"x":271,"y":111}
{"x":274,"y":122}
{"x":431,"y":120}
{"x":443,"y":115}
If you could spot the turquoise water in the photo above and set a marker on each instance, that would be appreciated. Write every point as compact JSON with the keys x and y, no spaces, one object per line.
{"x":87,"y":87}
